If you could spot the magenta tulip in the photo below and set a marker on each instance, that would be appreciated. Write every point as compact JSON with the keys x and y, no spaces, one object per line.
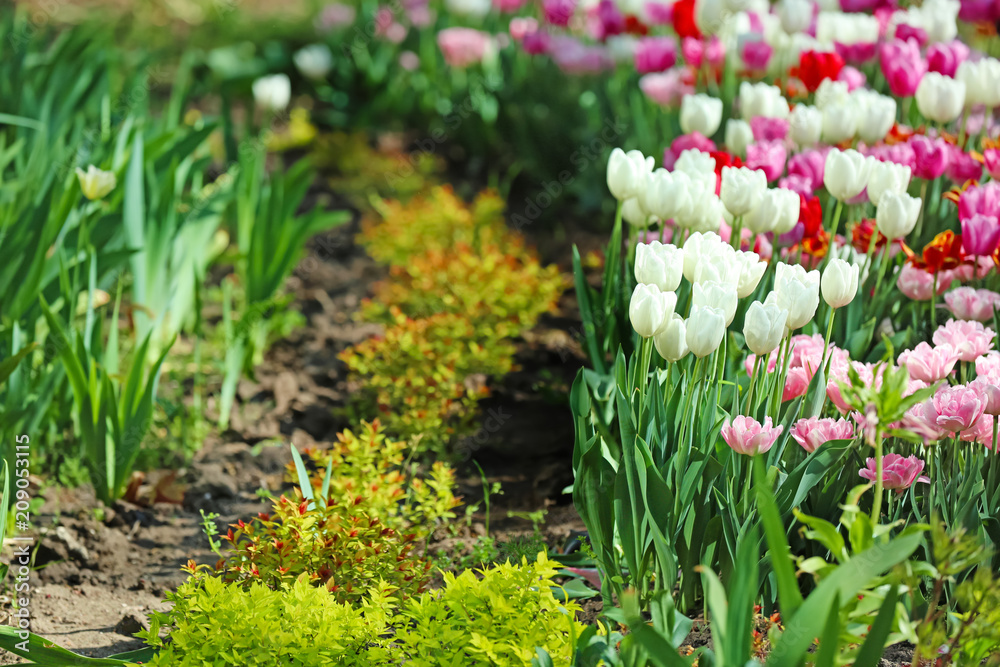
{"x":898,"y":473}
{"x":745,"y":435}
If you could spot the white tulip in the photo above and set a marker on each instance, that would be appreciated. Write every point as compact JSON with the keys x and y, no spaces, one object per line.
{"x":627,"y":173}
{"x":751,"y":271}
{"x":940,"y":19}
{"x":708,"y":211}
{"x":876,"y":114}
{"x":700,"y":247}
{"x":795,"y":15}
{"x":314,"y":61}
{"x":671,"y":341}
{"x":764,"y":327}
{"x":669,"y":195}
{"x":839,"y":283}
{"x":840,"y":121}
{"x":649,"y":309}
{"x":739,"y":135}
{"x":831,"y":92}
{"x":634,"y":213}
{"x":797,"y":291}
{"x":701,"y":113}
{"x":272,"y":92}
{"x":470,"y":8}
{"x":761,"y":99}
{"x":896,"y":215}
{"x":699,"y":166}
{"x":982,"y":81}
{"x":777,"y":212}
{"x":659,"y":264}
{"x":845,"y":173}
{"x":741,"y":189}
{"x":709,"y":15}
{"x":96,"y":183}
{"x":887,"y":177}
{"x":705,"y":328}
{"x":716,"y":295}
{"x":940,"y":98}
{"x":805,"y":125}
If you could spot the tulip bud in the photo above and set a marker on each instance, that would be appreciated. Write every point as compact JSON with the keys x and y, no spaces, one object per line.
{"x":650,"y":310}
{"x":795,"y":15}
{"x":705,"y":328}
{"x":797,"y":292}
{"x":840,"y":121}
{"x":627,"y":173}
{"x":668,"y":195}
{"x":659,"y":264}
{"x":887,"y":177}
{"x":700,"y":166}
{"x":845,"y":173}
{"x":741,"y":189}
{"x":806,"y":125}
{"x":671,"y":341}
{"x":633,"y":213}
{"x":717,"y":295}
{"x":272,"y":92}
{"x":751,"y":271}
{"x":762,"y":99}
{"x":777,"y":212}
{"x":876,"y":115}
{"x":95,"y":183}
{"x":739,"y":135}
{"x":314,"y":61}
{"x":839,"y":283}
{"x":982,"y":81}
{"x":701,"y":113}
{"x":896,"y":215}
{"x":700,"y":247}
{"x":764,"y":327}
{"x":940,"y":98}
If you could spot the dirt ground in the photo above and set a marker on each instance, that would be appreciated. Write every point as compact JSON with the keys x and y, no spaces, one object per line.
{"x":96,"y":580}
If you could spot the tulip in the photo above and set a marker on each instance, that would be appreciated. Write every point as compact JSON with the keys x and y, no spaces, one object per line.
{"x":969,"y":340}
{"x":903,"y":66}
{"x":764,"y":327}
{"x":739,"y":134}
{"x":719,"y":295}
{"x":955,"y":409}
{"x":761,"y":99}
{"x":945,"y":58}
{"x":627,"y":173}
{"x":777,"y":212}
{"x":95,"y":183}
{"x":980,"y":234}
{"x":984,"y":198}
{"x":812,"y":432}
{"x":750,"y":274}
{"x":769,"y":129}
{"x":991,"y":160}
{"x":655,"y":54}
{"x":940,"y":98}
{"x":927,"y":363}
{"x":795,"y":15}
{"x":742,"y":189}
{"x":745,"y":435}
{"x":314,"y":61}
{"x":701,"y":248}
{"x":768,"y":156}
{"x":699,"y":165}
{"x":558,"y":12}
{"x":671,"y":341}
{"x":701,"y":113}
{"x":897,"y":214}
{"x":918,"y":285}
{"x":897,"y":472}
{"x":705,"y":328}
{"x":659,"y":264}
{"x":797,"y":292}
{"x":806,"y":125}
{"x":668,"y":195}
{"x":966,"y":303}
{"x":931,"y":156}
{"x":845,"y":173}
{"x":650,"y":310}
{"x":810,"y":164}
{"x":839,"y":283}
{"x":962,"y":166}
{"x":272,"y":93}
{"x":887,"y":177}
{"x":981,"y":80}
{"x":989,"y":387}
{"x":840,"y":121}
{"x":634,"y":213}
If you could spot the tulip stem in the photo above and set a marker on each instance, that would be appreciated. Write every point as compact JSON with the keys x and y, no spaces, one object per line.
{"x":690,"y":394}
{"x":923,"y":207}
{"x":736,"y":232}
{"x":881,"y":268}
{"x":645,"y":356}
{"x":934,"y":302}
{"x":826,"y":343}
{"x":961,"y":131}
{"x":836,"y":222}
{"x":877,"y":505}
{"x":753,"y":378}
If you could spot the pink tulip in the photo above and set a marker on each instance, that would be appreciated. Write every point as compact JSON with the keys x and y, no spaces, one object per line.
{"x":989,"y":387}
{"x":521,"y":26}
{"x":769,"y":129}
{"x":898,"y":473}
{"x":813,"y":432}
{"x":796,"y":383}
{"x":955,"y":409}
{"x":980,"y":234}
{"x":686,"y":142}
{"x":667,"y":88}
{"x":808,"y":351}
{"x":838,"y":374}
{"x":931,"y":156}
{"x":655,"y":54}
{"x":962,"y":167}
{"x":798,"y":184}
{"x":745,"y":435}
{"x":861,"y":52}
{"x":979,"y":11}
{"x":967,"y":303}
{"x":853,"y":77}
{"x":991,"y":158}
{"x":981,"y":431}
{"x":536,"y":42}
{"x":756,"y":54}
{"x":918,"y":285}
{"x":809,"y":164}
{"x":907,"y":32}
{"x":769,"y":157}
{"x":929,"y":364}
{"x":605,"y":20}
{"x":409,"y":61}
{"x":969,"y":340}
{"x":903,"y":66}
{"x":335,"y":15}
{"x":574,"y":57}
{"x":558,"y":12}
{"x":462,"y":47}
{"x":660,"y":13}
{"x":984,"y":198}
{"x":988,"y":365}
{"x":945,"y":58}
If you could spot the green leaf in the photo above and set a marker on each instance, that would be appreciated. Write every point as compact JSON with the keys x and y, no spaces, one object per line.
{"x":40,"y":651}
{"x":871,"y":651}
{"x":789,"y":596}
